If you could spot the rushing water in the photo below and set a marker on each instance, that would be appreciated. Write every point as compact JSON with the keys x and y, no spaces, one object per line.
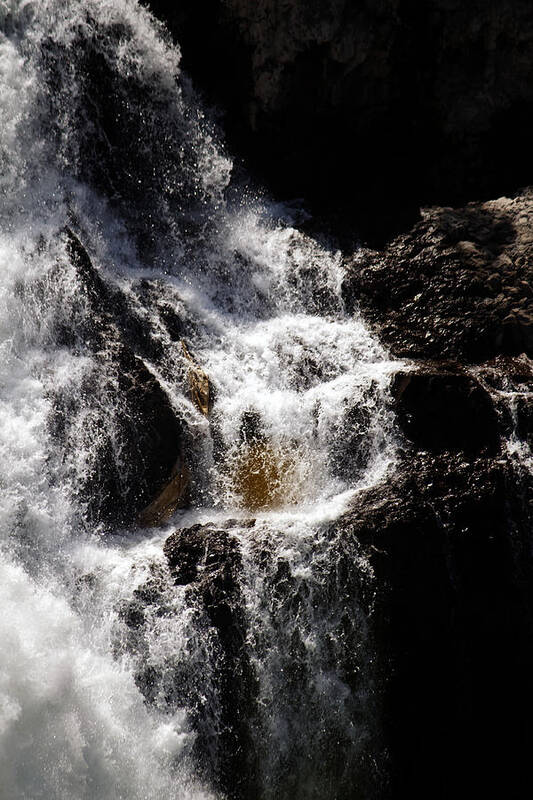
{"x":101,"y":134}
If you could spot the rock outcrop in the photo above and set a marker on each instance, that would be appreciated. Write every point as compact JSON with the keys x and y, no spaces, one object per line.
{"x":445,"y":409}
{"x":449,"y":535}
{"x":204,"y":564}
{"x":368,"y":108}
{"x":369,"y":111}
{"x":138,"y":463}
{"x":459,"y":285}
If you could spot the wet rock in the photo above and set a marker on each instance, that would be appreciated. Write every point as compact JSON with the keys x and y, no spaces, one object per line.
{"x":263,"y":474}
{"x":172,"y":497}
{"x":457,"y":285}
{"x":207,"y":560}
{"x":199,"y":386}
{"x":212,"y":677}
{"x":104,"y":101}
{"x":203,"y":552}
{"x":443,"y":409}
{"x":449,"y":542}
{"x":135,"y":442}
{"x":251,"y":429}
{"x":138,"y":450}
{"x":449,"y":534}
{"x":518,"y":331}
{"x":265,"y":477}
{"x":110,"y":316}
{"x":93,"y":283}
{"x":314,"y":638}
{"x":352,"y":443}
{"x":494,"y":282}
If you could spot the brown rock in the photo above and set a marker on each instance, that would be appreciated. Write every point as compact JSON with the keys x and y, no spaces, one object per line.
{"x":264,"y":477}
{"x":172,"y":497}
{"x":199,"y":385}
{"x":494,"y":282}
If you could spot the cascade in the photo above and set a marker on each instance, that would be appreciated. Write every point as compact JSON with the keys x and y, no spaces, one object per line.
{"x":187,"y":409}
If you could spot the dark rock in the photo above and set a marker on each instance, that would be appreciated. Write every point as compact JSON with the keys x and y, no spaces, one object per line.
{"x":431,"y":292}
{"x":328,"y":599}
{"x":135,"y":453}
{"x":251,"y":428}
{"x":208,"y":561}
{"x":352,"y":444}
{"x":152,"y":175}
{"x":109,"y":315}
{"x":494,"y":282}
{"x":213,"y":551}
{"x":236,"y":748}
{"x":138,"y":444}
{"x":213,"y":678}
{"x":449,"y":541}
{"x":441,"y":409}
{"x":518,"y":331}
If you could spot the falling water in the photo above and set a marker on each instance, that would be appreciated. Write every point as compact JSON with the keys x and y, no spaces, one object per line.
{"x":123,"y":253}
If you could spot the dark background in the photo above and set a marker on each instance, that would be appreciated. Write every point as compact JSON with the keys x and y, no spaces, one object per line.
{"x":368,"y":110}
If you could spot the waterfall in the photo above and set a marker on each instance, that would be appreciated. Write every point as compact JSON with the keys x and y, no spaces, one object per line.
{"x":160,"y":322}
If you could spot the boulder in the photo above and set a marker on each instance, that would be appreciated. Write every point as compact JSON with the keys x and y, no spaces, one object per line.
{"x":207,"y":560}
{"x":213,"y":677}
{"x":264,"y":477}
{"x":206,"y":554}
{"x":457,"y":286}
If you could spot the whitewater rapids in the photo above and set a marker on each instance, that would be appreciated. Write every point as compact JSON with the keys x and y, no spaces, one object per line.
{"x":101,"y":133}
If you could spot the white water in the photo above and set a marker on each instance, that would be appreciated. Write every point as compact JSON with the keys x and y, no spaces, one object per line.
{"x":262,"y":310}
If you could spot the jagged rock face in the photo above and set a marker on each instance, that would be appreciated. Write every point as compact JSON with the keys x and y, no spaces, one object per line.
{"x":208,"y":561}
{"x":134,"y":458}
{"x":449,"y":539}
{"x":205,"y":563}
{"x":458,"y":285}
{"x":378,"y":107}
{"x":349,"y":90}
